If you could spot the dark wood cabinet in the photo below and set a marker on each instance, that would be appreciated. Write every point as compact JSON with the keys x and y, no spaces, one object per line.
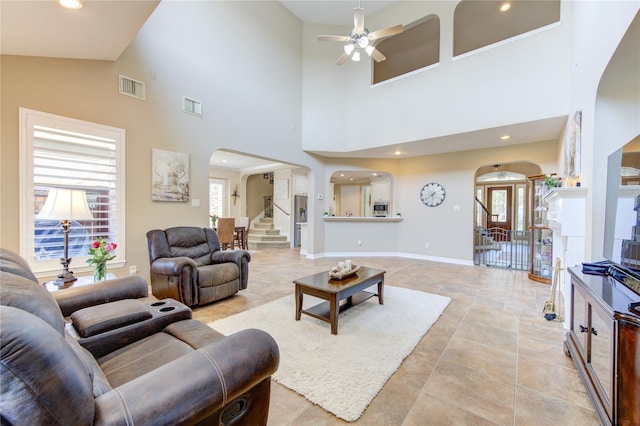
{"x":604,"y":342}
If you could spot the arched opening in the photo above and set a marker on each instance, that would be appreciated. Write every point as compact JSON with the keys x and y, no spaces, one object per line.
{"x":501,"y":228}
{"x":265,"y":191}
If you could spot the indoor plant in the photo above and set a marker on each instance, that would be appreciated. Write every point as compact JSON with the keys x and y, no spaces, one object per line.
{"x":551,"y":181}
{"x":100,"y":253}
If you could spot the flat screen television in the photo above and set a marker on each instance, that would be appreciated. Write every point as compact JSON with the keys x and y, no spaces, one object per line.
{"x":622,"y":214}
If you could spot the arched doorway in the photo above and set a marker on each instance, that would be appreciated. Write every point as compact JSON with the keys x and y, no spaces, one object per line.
{"x":501,"y":225}
{"x":259,"y":189}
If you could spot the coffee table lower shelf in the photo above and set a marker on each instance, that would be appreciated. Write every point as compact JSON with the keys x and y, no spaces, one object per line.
{"x":322,"y":311}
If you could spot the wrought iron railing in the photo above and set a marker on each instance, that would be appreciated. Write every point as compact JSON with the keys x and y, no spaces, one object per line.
{"x":501,"y":248}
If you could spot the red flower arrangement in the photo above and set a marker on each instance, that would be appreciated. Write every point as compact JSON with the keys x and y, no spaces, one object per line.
{"x":100,"y":253}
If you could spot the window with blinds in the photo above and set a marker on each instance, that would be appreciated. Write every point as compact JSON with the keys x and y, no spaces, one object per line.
{"x":63,"y":153}
{"x":216,"y":197}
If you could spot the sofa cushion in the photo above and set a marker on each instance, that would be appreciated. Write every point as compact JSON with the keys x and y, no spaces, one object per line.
{"x":146,"y":355}
{"x":141,"y":357}
{"x":221,"y":273}
{"x":12,"y":263}
{"x":100,"y":383}
{"x":21,"y":292}
{"x":189,"y":241}
{"x":109,"y":316}
{"x":43,"y":381}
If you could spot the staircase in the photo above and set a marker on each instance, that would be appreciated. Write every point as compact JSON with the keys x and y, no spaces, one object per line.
{"x":262,"y":236}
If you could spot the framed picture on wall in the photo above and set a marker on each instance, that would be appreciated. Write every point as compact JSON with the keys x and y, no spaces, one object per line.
{"x":169,"y":176}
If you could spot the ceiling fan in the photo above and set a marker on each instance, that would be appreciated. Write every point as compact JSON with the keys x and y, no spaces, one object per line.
{"x":361,"y":39}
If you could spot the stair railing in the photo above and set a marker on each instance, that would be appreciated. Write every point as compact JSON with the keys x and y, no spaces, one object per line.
{"x":281,"y":209}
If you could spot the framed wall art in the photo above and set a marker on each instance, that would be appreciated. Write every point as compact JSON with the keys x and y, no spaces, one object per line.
{"x":169,"y":176}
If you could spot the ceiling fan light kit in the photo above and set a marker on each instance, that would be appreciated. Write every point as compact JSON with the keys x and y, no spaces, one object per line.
{"x":361,"y":39}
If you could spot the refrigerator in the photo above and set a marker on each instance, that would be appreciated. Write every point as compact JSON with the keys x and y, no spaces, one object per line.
{"x":300,"y":216}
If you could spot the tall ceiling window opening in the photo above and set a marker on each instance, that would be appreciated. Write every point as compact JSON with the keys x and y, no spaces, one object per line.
{"x":417,"y":47}
{"x":478,"y":24}
{"x":60,"y":153}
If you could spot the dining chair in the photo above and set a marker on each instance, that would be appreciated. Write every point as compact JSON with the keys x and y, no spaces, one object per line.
{"x":241,"y":235}
{"x":226,"y":232}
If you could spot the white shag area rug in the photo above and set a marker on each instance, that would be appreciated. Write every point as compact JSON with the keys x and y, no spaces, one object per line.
{"x":342,"y":373}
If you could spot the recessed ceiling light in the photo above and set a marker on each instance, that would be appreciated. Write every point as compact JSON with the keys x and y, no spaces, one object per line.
{"x":505,"y":6}
{"x":224,"y":161}
{"x":71,"y":4}
{"x":397,"y":153}
{"x":505,"y":137}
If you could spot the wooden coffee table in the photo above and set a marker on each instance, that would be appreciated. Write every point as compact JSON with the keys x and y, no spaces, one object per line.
{"x":334,"y":291}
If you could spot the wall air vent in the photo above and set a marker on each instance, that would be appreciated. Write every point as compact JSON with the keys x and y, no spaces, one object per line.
{"x":192,"y":106}
{"x":131,"y":87}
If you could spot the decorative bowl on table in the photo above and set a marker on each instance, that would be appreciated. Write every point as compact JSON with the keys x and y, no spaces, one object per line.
{"x":339,"y":274}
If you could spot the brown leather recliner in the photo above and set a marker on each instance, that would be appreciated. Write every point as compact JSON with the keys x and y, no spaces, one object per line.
{"x":186,"y":264}
{"x":187,"y":373}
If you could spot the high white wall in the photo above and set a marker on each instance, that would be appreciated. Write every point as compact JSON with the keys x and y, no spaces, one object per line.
{"x":519,"y":81}
{"x":606,"y":88}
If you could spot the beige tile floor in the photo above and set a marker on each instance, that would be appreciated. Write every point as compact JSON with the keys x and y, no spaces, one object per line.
{"x":490,"y":359}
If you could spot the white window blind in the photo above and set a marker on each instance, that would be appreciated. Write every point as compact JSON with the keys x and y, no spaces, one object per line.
{"x":216,"y":197}
{"x":58,"y":152}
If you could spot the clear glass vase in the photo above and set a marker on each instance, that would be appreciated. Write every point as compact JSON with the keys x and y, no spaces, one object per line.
{"x":100,"y":273}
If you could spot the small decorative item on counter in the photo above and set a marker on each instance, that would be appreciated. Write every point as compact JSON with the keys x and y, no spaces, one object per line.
{"x":214,"y":219}
{"x":552,"y":180}
{"x":399,"y":214}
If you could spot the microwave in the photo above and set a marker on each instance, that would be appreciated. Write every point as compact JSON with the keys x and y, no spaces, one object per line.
{"x":380,"y":209}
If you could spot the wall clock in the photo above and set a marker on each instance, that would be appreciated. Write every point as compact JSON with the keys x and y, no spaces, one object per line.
{"x":432,"y":194}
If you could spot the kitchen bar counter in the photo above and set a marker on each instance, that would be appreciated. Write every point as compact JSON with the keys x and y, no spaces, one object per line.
{"x":362,"y":219}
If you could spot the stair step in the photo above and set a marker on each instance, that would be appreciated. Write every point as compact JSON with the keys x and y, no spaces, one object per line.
{"x":274,"y":237}
{"x":269,"y":231}
{"x":256,"y":245}
{"x":262,"y":226}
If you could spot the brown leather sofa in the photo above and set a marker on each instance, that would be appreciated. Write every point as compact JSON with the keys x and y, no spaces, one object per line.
{"x":184,"y":373}
{"x":186,"y":264}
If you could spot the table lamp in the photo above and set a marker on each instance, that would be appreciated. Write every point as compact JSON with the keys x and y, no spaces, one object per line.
{"x":65,"y":205}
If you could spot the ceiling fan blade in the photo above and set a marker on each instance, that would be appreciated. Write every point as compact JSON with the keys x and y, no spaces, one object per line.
{"x":332,"y":38}
{"x":386,"y":32}
{"x":341,"y":60}
{"x":377,"y":55}
{"x":358,"y":20}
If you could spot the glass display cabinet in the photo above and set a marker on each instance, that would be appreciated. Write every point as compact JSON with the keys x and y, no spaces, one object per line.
{"x":540,"y":235}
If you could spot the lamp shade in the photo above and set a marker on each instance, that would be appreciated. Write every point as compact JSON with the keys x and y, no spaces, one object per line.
{"x":66,"y":204}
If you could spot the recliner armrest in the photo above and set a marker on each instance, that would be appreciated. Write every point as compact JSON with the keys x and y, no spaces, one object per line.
{"x":75,"y":298}
{"x":115,"y":325}
{"x":235,"y":256}
{"x":199,"y":384}
{"x":171,"y":265}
